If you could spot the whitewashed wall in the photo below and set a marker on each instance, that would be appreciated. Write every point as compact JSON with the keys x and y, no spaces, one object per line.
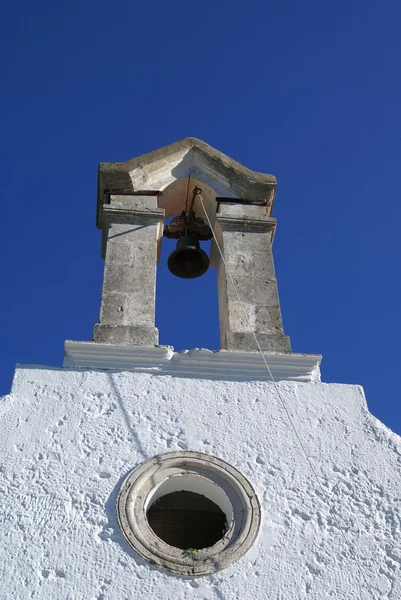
{"x":69,"y":437}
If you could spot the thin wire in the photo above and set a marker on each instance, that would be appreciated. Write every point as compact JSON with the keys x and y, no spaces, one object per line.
{"x":283,"y":403}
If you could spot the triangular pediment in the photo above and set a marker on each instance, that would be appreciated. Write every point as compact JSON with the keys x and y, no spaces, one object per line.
{"x":188,"y":157}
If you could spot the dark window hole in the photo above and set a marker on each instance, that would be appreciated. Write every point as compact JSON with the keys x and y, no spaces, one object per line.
{"x":187,"y":520}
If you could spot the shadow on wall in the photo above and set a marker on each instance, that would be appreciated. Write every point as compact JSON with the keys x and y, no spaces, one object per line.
{"x":116,"y":392}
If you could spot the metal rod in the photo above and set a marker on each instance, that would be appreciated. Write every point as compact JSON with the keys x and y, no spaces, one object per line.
{"x":186,"y":201}
{"x":195,"y":193}
{"x":116,"y":192}
{"x":241,"y":201}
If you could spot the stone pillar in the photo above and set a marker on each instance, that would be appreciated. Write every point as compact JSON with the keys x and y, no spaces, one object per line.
{"x":130,"y":237}
{"x":245,"y":236}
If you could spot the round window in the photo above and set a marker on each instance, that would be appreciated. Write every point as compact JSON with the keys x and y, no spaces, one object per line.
{"x":189,"y":513}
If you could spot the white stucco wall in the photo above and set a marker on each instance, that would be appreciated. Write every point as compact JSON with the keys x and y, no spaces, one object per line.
{"x":69,"y":437}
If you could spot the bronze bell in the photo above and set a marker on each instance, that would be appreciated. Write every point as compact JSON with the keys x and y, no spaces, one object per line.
{"x":188,"y":260}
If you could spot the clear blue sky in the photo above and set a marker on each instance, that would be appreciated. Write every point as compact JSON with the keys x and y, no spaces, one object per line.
{"x":309,"y":91}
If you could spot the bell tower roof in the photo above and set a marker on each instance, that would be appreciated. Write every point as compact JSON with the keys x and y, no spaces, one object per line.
{"x":154,"y":171}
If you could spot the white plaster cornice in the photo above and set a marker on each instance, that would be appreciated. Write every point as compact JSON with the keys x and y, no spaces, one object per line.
{"x":197,"y":363}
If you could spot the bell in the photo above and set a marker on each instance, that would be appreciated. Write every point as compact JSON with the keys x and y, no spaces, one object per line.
{"x":188,"y":260}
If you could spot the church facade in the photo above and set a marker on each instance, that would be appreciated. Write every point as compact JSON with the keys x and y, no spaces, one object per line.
{"x":138,"y":472}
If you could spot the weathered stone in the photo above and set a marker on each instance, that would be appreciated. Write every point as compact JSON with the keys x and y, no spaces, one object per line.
{"x":258,"y":264}
{"x":134,"y":202}
{"x":119,"y":252}
{"x":246,"y":317}
{"x":129,"y":278}
{"x":126,"y":335}
{"x":245,"y":341}
{"x":125,"y":309}
{"x":127,"y":313}
{"x":248,"y":298}
{"x":254,"y":290}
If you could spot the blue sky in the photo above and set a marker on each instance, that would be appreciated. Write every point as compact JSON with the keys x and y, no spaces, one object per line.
{"x":309,"y":91}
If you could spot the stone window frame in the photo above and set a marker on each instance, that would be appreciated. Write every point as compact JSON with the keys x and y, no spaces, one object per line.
{"x":192,"y":471}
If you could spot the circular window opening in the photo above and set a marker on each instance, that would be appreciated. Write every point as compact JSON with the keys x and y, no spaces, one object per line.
{"x":187,"y":520}
{"x":189,"y":513}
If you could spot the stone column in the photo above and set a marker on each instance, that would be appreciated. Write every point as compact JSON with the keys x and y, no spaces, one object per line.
{"x":130,"y":237}
{"x":245,"y":236}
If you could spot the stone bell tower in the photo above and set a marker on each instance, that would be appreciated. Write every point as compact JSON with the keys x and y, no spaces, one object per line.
{"x":135,"y":197}
{"x":134,"y":472}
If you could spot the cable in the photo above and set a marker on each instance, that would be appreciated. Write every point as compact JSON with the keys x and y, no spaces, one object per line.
{"x":283,"y":403}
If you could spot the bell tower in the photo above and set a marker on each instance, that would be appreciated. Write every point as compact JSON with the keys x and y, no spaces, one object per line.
{"x":134,"y":472}
{"x":209,"y":195}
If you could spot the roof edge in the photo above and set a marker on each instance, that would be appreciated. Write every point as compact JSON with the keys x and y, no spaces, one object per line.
{"x":187,"y":144}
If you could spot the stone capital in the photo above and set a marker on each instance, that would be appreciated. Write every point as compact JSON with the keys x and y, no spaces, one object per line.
{"x":135,"y":215}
